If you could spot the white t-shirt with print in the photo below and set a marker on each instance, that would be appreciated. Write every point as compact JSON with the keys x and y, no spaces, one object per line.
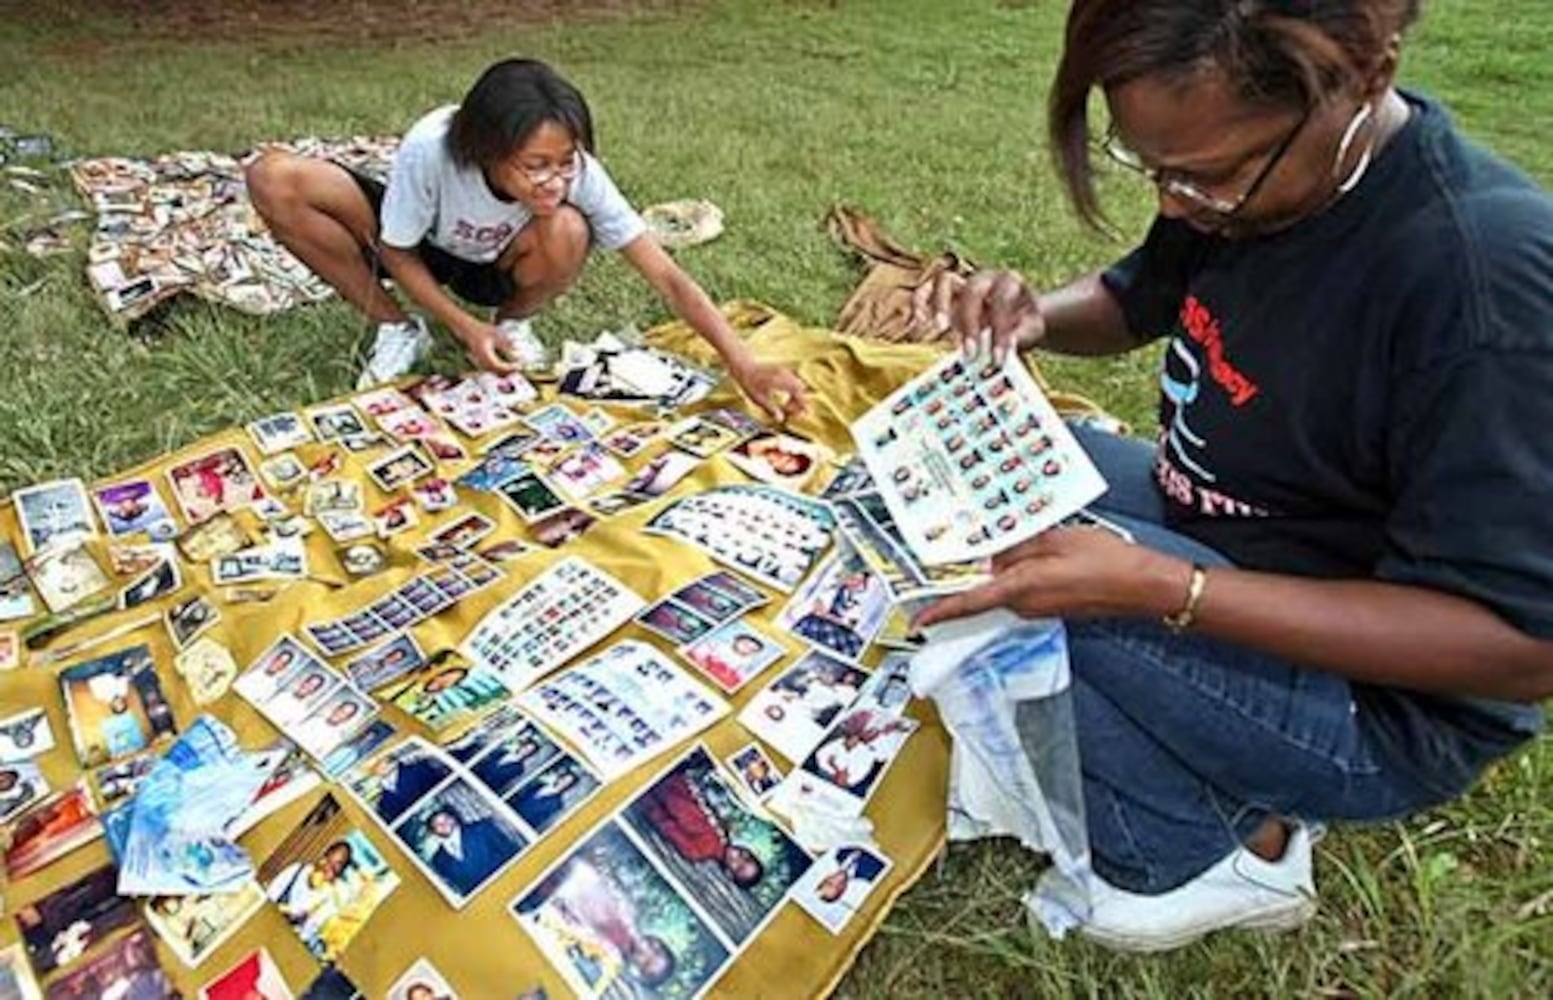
{"x":430,"y":197}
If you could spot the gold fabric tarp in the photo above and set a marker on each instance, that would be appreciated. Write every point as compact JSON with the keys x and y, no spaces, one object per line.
{"x":481,"y":949}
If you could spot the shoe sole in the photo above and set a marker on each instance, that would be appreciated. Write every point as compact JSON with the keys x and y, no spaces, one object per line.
{"x":1275,"y":919}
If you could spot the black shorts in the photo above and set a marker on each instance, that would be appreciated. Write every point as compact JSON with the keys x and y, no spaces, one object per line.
{"x":482,"y":284}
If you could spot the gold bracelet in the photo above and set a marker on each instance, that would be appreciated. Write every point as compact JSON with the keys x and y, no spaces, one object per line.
{"x":1187,"y":616}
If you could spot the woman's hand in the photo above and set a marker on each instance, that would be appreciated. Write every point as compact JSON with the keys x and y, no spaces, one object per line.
{"x":990,"y":310}
{"x":777,"y":390}
{"x":1074,"y":573}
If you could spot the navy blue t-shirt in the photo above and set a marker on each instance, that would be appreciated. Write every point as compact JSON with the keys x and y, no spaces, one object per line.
{"x":1368,"y":394}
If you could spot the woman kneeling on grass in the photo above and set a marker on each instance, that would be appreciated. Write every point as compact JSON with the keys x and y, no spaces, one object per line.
{"x":1341,"y":603}
{"x":500,"y":199}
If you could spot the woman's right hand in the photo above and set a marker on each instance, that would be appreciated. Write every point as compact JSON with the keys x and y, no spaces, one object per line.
{"x":989,"y":311}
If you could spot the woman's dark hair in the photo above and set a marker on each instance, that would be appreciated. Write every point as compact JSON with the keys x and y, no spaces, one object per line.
{"x":504,"y":107}
{"x":1278,"y":53}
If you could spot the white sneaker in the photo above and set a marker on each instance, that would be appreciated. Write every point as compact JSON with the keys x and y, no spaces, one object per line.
{"x":395,"y":351}
{"x":519,"y":343}
{"x":1242,"y":890}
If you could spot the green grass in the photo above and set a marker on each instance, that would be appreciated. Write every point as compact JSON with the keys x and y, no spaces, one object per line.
{"x":926,"y":114}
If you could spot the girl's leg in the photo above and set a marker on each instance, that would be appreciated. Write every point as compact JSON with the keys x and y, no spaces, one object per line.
{"x":544,"y":261}
{"x":318,"y":212}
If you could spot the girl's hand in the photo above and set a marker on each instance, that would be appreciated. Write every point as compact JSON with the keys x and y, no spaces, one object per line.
{"x":1074,"y":573}
{"x":483,"y":343}
{"x":777,"y":390}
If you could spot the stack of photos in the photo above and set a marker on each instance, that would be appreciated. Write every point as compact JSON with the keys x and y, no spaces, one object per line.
{"x":51,"y":829}
{"x":115,"y":705}
{"x":840,"y":608}
{"x":865,"y":520}
{"x":770,"y":534}
{"x":794,"y":711}
{"x":609,"y":370}
{"x":126,"y":968}
{"x":477,"y":404}
{"x":55,"y":513}
{"x":697,"y":608}
{"x":660,"y":899}
{"x":624,"y":706}
{"x":195,"y":926}
{"x":304,"y":697}
{"x":328,"y":879}
{"x":971,"y":458}
{"x":415,"y":600}
{"x":460,"y":822}
{"x":557,"y":615}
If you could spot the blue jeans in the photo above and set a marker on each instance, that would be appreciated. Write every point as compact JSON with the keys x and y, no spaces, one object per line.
{"x":1189,"y":743}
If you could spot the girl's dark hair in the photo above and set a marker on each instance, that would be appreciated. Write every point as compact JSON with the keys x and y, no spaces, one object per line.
{"x":504,"y":107}
{"x":1279,"y":53}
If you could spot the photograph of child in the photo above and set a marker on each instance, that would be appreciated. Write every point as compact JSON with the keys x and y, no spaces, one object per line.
{"x":393,"y":782}
{"x":838,"y":885}
{"x":56,"y":512}
{"x":277,"y":666}
{"x":127,"y":968}
{"x":781,"y":459}
{"x":304,"y":691}
{"x":333,"y":722}
{"x":254,"y":978}
{"x":515,"y":758}
{"x":447,"y":691}
{"x":678,"y":624}
{"x":21,"y":784}
{"x":755,"y":771}
{"x":553,"y":793}
{"x":616,"y":928}
{"x":220,"y":482}
{"x":841,"y":607}
{"x":732,"y":654}
{"x":421,"y":981}
{"x":193,"y":926}
{"x":794,"y":711}
{"x":736,"y":863}
{"x":327,"y":878}
{"x":115,"y":705}
{"x":461,"y":838}
{"x":859,"y":748}
{"x":132,"y":506}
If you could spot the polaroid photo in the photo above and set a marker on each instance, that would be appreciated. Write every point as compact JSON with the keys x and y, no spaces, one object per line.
{"x":16,"y":979}
{"x":333,"y":421}
{"x":395,"y":518}
{"x":784,"y":460}
{"x":553,"y":794}
{"x":161,"y":579}
{"x":208,"y":668}
{"x":55,"y":513}
{"x":742,"y":881}
{"x":15,"y":594}
{"x":755,"y":771}
{"x":857,"y":751}
{"x":559,"y":423}
{"x":531,"y":497}
{"x":125,"y":968}
{"x":345,"y":527}
{"x":115,"y":705}
{"x":22,"y":784}
{"x":732,"y":654}
{"x":464,"y":532}
{"x":400,"y":467}
{"x":584,"y":471}
{"x":462,"y":839}
{"x":25,"y":735}
{"x":392,"y":783}
{"x":447,"y":693}
{"x":388,"y":662}
{"x":837,"y":887}
{"x":605,"y":906}
{"x":194,"y":926}
{"x":327,"y":878}
{"x":421,"y":981}
{"x":434,"y":495}
{"x":701,"y":438}
{"x":61,"y":926}
{"x":279,"y":432}
{"x":65,"y":574}
{"x":131,"y":507}
{"x":840,"y":608}
{"x":794,"y":711}
{"x":51,"y":829}
{"x":217,"y":482}
{"x":283,"y":471}
{"x":256,"y":977}
{"x":220,"y":535}
{"x":562,"y":527}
